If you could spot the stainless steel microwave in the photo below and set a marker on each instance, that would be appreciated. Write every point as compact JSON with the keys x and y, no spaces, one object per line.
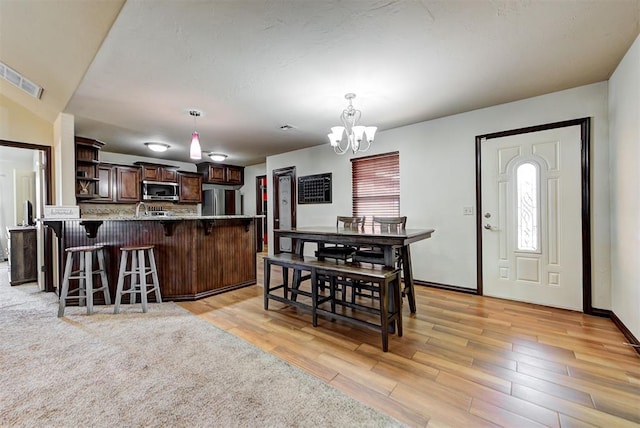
{"x":159,"y":191}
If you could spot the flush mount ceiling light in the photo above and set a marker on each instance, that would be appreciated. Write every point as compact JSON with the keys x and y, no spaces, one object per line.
{"x":195,"y":152}
{"x":217,"y":157}
{"x":157,"y":147}
{"x":355,"y":134}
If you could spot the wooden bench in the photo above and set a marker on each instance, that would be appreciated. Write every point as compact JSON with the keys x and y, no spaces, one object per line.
{"x":387,"y":281}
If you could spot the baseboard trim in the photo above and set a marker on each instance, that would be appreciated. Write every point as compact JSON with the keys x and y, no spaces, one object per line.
{"x":446,"y":287}
{"x":604,"y":313}
{"x":631,"y":339}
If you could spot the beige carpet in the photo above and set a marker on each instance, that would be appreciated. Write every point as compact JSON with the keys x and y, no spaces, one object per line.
{"x":163,"y":368}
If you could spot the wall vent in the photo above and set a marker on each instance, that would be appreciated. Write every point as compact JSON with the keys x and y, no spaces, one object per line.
{"x":17,"y":79}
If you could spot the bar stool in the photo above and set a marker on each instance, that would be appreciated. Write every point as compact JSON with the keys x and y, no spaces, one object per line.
{"x":139,"y":271}
{"x":84,"y":275}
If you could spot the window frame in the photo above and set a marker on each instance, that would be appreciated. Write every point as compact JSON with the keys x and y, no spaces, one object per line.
{"x":375,"y":181}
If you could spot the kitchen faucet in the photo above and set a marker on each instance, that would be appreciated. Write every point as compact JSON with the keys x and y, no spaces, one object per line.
{"x":146,"y":210}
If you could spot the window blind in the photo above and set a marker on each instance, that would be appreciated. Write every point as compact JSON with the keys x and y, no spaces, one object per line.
{"x":376,"y":186}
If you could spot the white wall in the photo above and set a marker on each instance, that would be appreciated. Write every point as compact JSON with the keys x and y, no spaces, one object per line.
{"x":248,"y":191}
{"x":437,"y":179}
{"x":624,"y":125}
{"x":123,"y":159}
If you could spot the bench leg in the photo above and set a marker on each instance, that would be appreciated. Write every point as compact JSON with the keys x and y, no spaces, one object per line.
{"x":384,"y":316}
{"x":397,"y":303}
{"x":297,"y":273}
{"x":267,"y":281}
{"x":314,"y":297}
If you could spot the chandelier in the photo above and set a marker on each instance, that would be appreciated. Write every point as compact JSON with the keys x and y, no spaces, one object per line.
{"x":195,"y":151}
{"x":358,"y":137}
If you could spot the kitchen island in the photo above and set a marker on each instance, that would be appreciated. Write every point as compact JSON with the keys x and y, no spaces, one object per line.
{"x":197,"y":256}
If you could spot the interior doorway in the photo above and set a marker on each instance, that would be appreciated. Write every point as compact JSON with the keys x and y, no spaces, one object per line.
{"x":41,"y":176}
{"x":284,"y":206}
{"x":261,"y":209}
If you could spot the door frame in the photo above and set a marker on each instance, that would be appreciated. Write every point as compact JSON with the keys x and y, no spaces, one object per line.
{"x":48,"y":235}
{"x":290,"y":171}
{"x":261,"y":225}
{"x":585,"y":180}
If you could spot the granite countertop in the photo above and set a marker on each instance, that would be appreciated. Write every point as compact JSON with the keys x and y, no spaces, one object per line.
{"x":11,"y":228}
{"x":159,"y":218}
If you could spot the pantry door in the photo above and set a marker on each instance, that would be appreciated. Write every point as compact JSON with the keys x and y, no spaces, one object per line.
{"x":531,"y":217}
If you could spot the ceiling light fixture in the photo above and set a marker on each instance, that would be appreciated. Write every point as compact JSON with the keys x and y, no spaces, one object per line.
{"x":157,"y":147}
{"x":195,"y":151}
{"x":355,"y":134}
{"x":217,"y":157}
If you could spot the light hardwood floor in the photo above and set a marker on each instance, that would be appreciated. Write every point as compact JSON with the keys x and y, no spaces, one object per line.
{"x":464,"y":361}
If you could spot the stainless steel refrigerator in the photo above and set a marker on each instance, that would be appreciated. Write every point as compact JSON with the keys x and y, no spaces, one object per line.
{"x":221,"y":201}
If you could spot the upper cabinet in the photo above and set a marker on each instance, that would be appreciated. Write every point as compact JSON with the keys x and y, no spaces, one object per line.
{"x":127,"y":187}
{"x":86,"y":151}
{"x":221,"y":174}
{"x":190,"y":184}
{"x":156,"y":172}
{"x":118,"y":184}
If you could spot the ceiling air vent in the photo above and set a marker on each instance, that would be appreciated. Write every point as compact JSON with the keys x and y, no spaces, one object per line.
{"x":17,"y":79}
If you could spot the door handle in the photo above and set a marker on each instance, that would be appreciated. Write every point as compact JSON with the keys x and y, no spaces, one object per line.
{"x":488,"y":226}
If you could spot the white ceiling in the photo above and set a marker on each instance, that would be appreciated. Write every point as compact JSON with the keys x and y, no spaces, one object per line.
{"x":251,"y":66}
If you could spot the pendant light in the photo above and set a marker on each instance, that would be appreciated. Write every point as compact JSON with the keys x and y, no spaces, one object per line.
{"x":195,"y":150}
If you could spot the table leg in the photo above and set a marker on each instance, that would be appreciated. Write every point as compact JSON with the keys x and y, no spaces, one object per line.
{"x":297,"y":275}
{"x":408,"y":278}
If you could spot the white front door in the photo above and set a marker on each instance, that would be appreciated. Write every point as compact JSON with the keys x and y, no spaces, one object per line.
{"x":531,"y":205}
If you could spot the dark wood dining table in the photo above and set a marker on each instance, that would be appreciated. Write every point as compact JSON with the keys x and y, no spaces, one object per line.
{"x":388,"y":241}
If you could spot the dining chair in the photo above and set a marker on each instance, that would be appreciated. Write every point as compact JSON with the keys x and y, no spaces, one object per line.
{"x":375,"y":255}
{"x":339,"y":251}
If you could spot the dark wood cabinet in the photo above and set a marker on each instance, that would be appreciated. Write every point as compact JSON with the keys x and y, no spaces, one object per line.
{"x":86,"y":153}
{"x":221,"y":174}
{"x":106,"y":183}
{"x":190,"y":184}
{"x":127,"y":187}
{"x":118,"y":184}
{"x":157,"y":172}
{"x":235,"y":175}
{"x":23,"y":258}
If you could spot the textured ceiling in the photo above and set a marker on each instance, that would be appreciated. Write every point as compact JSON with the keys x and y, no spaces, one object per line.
{"x":252,"y":66}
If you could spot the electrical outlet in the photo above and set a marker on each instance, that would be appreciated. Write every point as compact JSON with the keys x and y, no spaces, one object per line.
{"x":467,"y":210}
